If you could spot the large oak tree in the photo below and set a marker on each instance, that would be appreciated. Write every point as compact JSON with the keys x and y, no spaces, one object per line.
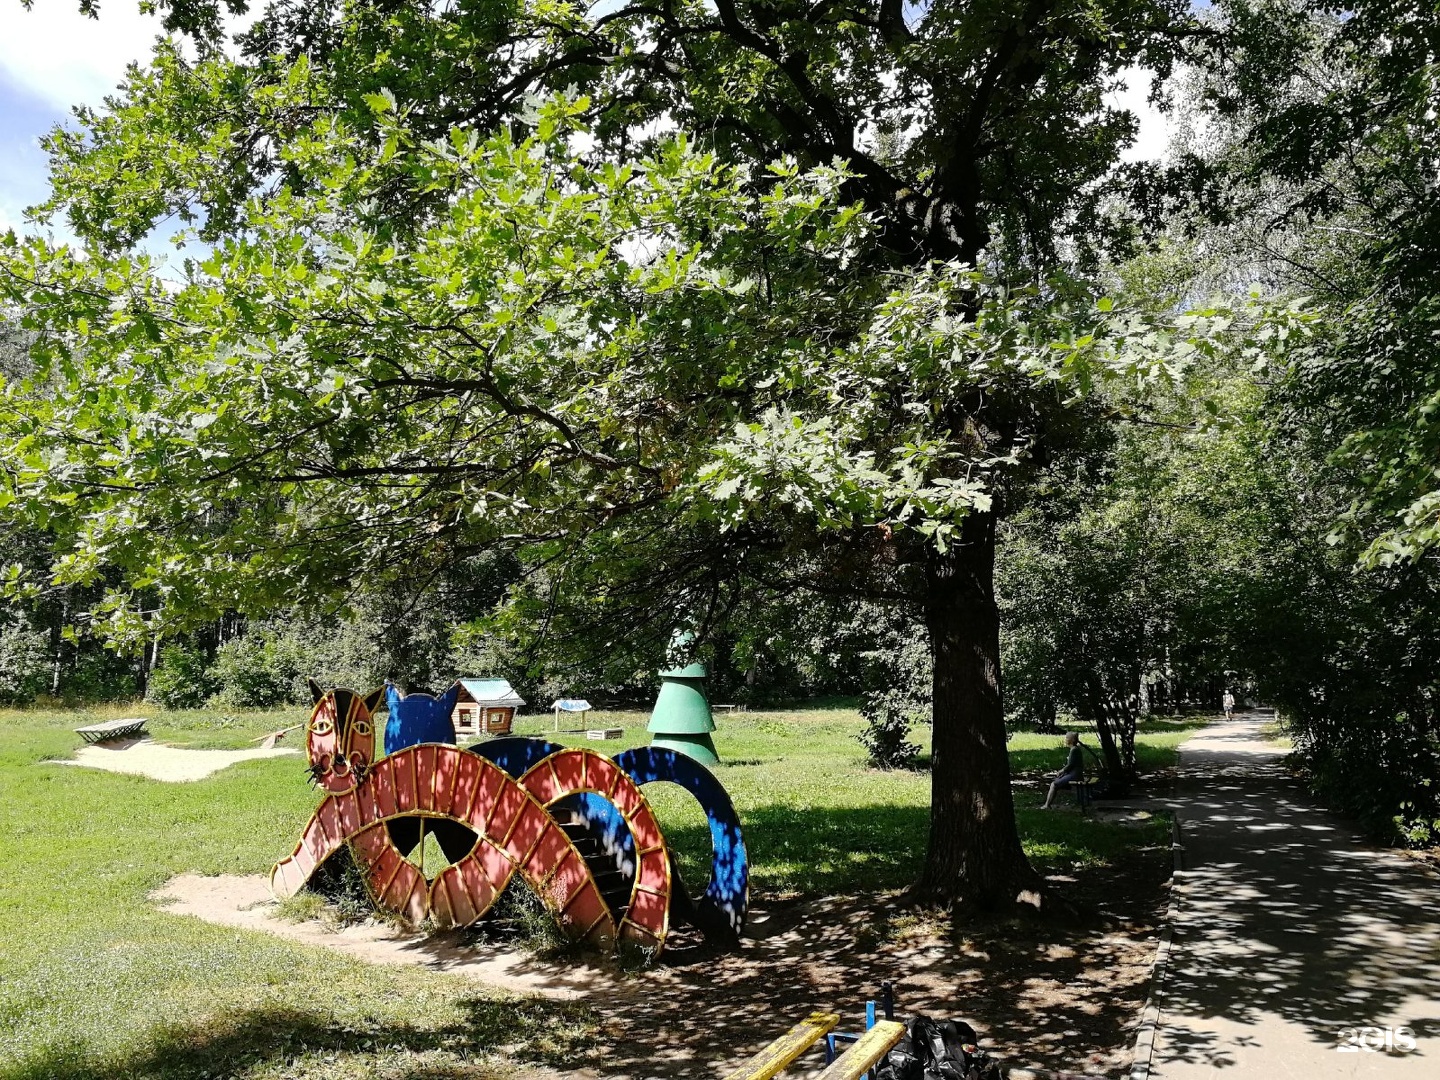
{"x":466,"y":289}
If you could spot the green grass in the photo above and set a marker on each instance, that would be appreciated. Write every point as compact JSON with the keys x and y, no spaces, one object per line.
{"x":97,"y":982}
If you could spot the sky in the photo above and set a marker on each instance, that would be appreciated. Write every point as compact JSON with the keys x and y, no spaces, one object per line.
{"x":52,"y":58}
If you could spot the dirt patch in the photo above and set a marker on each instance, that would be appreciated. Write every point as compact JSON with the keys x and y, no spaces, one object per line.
{"x":1060,"y":995}
{"x":233,"y":900}
{"x":172,"y":764}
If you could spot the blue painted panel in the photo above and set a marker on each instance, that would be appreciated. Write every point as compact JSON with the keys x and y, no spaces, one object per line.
{"x":418,"y":718}
{"x":727,"y":897}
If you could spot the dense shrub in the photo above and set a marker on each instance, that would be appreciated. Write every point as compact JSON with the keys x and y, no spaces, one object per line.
{"x":889,"y":716}
{"x":898,"y":695}
{"x":181,"y":679}
{"x":259,"y":669}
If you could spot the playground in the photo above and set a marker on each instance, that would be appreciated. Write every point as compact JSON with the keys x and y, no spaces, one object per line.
{"x":145,"y":941}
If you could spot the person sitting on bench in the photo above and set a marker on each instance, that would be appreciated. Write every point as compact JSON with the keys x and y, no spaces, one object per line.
{"x":1074,"y":770}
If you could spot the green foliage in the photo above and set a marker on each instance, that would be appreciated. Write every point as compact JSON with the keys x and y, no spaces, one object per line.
{"x":449,"y":309}
{"x":181,"y":680}
{"x":897,"y":697}
{"x":24,"y":663}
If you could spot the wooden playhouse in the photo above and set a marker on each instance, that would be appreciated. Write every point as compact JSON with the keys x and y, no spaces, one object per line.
{"x":485,"y":707}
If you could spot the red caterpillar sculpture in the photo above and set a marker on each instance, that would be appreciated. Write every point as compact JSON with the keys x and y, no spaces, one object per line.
{"x":514,"y":831}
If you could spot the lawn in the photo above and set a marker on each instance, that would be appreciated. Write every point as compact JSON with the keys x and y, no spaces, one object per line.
{"x":96,"y":982}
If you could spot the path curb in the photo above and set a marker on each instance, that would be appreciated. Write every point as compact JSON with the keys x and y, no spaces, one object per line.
{"x":1150,"y":1016}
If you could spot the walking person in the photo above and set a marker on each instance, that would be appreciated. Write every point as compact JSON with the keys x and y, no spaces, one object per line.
{"x":1228,"y":704}
{"x":1072,"y":773}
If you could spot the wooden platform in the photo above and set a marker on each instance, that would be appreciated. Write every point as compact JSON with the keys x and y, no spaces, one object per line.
{"x":130,"y":727}
{"x":597,"y":734}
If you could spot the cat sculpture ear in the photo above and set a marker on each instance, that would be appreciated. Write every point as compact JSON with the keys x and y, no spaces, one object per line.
{"x":316,"y":691}
{"x":450,"y":697}
{"x":373,"y":699}
{"x":393,"y":696}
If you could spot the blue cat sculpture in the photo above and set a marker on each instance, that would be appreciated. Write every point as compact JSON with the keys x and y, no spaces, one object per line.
{"x":418,"y":718}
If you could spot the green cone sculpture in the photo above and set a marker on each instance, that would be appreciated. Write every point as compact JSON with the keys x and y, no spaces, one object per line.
{"x":682,"y":719}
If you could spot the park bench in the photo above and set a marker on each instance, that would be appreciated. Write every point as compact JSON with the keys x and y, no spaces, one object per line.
{"x":113,"y":729}
{"x":864,"y":1053}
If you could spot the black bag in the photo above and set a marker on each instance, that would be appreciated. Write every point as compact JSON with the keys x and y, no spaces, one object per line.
{"x":946,"y":1050}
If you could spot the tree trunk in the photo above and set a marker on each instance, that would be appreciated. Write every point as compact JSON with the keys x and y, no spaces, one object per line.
{"x":974,"y":859}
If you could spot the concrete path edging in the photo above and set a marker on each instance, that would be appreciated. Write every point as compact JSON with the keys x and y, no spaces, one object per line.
{"x":1150,"y":1016}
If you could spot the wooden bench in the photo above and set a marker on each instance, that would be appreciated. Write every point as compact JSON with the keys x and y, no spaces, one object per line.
{"x":113,"y":729}
{"x":866,"y":1052}
{"x":775,"y":1058}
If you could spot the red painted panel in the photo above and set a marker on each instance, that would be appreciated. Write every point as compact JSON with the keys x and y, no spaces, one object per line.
{"x":647,"y":911}
{"x":644,"y":828}
{"x":404,"y":763}
{"x":286,"y":879}
{"x":417,"y":903}
{"x":365,"y":799}
{"x":439,"y":904}
{"x":584,"y":910}
{"x":626,"y":796}
{"x":600,"y":773}
{"x":478,"y":888}
{"x":540,"y":782}
{"x":447,"y":763}
{"x":382,"y":870}
{"x":314,"y":846}
{"x":569,"y":766}
{"x":425,"y":755}
{"x":348,"y":810}
{"x":507,"y":807}
{"x":568,"y":878}
{"x":492,"y":783}
{"x":550,"y":847}
{"x":372,"y":842}
{"x":382,"y":783}
{"x":327,"y":818}
{"x":652,"y":871}
{"x":639,"y":934}
{"x":529,"y":827}
{"x":467,"y":785}
{"x":494,"y":862}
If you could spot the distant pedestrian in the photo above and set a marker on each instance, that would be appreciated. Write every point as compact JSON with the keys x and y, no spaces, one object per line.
{"x":1228,"y":704}
{"x":1074,"y":770}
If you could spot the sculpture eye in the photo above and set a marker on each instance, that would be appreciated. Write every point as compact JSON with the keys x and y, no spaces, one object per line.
{"x":322,"y":725}
{"x":361,"y":728}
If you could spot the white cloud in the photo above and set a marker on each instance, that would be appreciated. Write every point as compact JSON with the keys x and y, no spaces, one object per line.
{"x":1153,"y":140}
{"x":63,"y":58}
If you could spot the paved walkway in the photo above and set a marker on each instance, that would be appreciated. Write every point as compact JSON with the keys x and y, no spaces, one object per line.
{"x":1291,"y":933}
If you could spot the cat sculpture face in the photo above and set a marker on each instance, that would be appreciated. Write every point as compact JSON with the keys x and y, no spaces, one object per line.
{"x":340,"y":738}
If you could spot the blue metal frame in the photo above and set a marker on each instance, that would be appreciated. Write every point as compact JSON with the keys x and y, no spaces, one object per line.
{"x":887,"y":1002}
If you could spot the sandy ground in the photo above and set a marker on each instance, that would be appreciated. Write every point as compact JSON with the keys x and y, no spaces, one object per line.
{"x":233,"y":900}
{"x":1053,"y":996}
{"x":144,"y":757}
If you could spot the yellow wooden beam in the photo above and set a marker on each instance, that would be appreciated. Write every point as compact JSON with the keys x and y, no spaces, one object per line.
{"x":866,"y":1053}
{"x":774,"y":1059}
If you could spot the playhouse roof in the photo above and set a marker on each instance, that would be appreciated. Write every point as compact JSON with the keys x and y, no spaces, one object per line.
{"x":492,"y":692}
